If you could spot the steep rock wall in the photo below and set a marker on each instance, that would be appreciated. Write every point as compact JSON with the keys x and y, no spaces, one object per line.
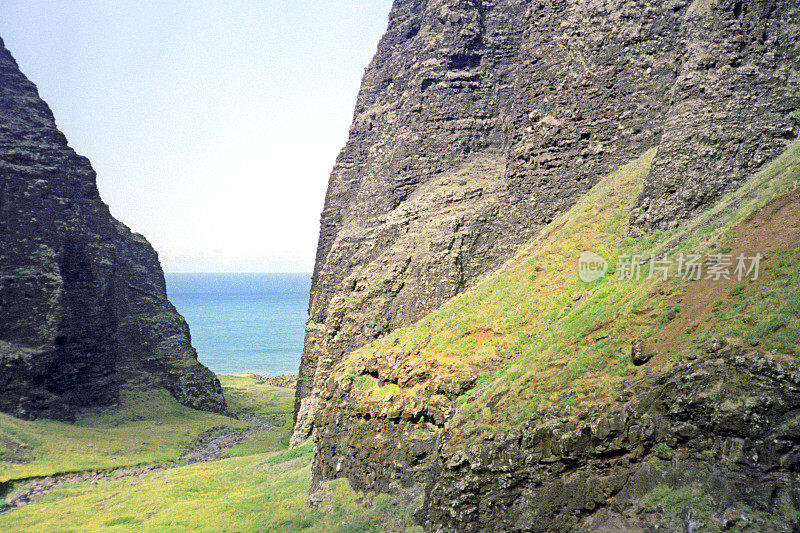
{"x":719,"y":442}
{"x":83,"y":305}
{"x":412,"y":204}
{"x":479,"y":122}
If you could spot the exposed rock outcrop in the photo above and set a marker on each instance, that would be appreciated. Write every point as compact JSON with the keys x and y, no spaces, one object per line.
{"x":83,"y":305}
{"x":480,"y":122}
{"x":411,"y":212}
{"x":718,"y":433}
{"x":286,"y":381}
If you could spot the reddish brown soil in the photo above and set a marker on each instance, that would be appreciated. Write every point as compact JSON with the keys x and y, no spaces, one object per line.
{"x":774,"y":226}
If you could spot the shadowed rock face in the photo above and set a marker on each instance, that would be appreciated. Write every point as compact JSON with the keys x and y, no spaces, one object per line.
{"x":478,"y":123}
{"x":83,"y":306}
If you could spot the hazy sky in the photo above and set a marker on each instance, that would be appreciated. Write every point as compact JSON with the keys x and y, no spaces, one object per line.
{"x":212,"y":125}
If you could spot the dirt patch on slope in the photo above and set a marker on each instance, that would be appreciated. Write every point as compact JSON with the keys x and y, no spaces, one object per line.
{"x":775,"y":226}
{"x":484,"y":337}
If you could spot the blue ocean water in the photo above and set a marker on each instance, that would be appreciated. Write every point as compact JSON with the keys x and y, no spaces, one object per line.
{"x":244,"y":323}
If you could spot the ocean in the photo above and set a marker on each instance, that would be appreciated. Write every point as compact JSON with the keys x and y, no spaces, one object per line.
{"x":244,"y":323}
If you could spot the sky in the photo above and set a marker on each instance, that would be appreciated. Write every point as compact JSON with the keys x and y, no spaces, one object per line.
{"x":213,"y":126}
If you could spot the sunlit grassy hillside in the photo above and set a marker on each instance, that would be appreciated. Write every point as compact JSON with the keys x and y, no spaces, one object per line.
{"x":146,"y":427}
{"x":257,"y":492}
{"x":561,"y":340}
{"x":258,"y":485}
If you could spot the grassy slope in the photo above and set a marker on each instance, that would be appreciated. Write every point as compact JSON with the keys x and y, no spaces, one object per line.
{"x":260,"y":486}
{"x":559,"y":333}
{"x":569,"y":341}
{"x":146,"y":428}
{"x":262,"y":492}
{"x":248,"y":395}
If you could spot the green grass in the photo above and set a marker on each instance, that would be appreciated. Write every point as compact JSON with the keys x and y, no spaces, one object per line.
{"x":261,"y":492}
{"x":366,"y":382}
{"x":560,"y":333}
{"x":261,"y":486}
{"x":237,"y":494}
{"x":676,"y":501}
{"x":265,"y":441}
{"x":663,"y":451}
{"x":736,"y":291}
{"x":146,"y":428}
{"x":248,"y":394}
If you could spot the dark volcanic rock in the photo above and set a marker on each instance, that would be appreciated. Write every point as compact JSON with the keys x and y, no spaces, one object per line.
{"x":641,"y":352}
{"x":83,"y":306}
{"x":414,"y":204}
{"x":719,"y":433}
{"x":480,"y":122}
{"x":733,"y":104}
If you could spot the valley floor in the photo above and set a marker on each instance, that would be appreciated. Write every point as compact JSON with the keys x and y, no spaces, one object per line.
{"x":154,"y":465}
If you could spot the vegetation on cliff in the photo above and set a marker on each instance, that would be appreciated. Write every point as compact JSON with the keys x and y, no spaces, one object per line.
{"x":534,"y":342}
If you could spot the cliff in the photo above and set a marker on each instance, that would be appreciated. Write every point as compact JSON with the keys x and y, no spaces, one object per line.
{"x":478,"y":123}
{"x":83,"y":305}
{"x":451,"y":346}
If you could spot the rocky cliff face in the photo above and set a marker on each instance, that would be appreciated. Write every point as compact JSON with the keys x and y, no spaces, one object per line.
{"x":480,"y":122}
{"x":698,"y":426}
{"x":83,"y":306}
{"x":411,"y":212}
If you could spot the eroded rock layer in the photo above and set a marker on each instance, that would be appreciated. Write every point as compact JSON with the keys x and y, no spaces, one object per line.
{"x":479,"y":122}
{"x":83,"y":305}
{"x":720,"y":431}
